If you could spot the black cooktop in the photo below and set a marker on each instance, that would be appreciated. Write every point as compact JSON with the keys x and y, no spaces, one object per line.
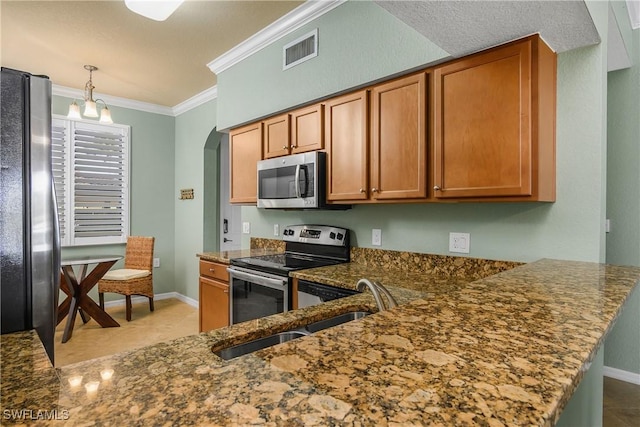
{"x":282,"y":264}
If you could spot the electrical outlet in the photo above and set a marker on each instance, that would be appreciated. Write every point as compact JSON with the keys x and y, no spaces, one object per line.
{"x":156,"y":262}
{"x":376,"y":237}
{"x":459,"y":242}
{"x":276,"y":229}
{"x":246,"y":227}
{"x":607,"y":226}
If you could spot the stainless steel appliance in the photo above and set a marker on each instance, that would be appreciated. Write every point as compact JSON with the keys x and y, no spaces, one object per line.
{"x":260,"y":286}
{"x":311,"y":293}
{"x":30,"y":264}
{"x":294,"y":182}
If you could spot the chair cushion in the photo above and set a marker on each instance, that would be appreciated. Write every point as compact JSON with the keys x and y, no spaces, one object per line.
{"x":126,"y":274}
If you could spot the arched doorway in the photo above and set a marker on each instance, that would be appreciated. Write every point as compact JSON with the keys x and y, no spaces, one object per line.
{"x":211,"y":215}
{"x":221,"y":221}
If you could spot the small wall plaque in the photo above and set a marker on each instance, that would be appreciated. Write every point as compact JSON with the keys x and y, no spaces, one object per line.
{"x":186,"y":194}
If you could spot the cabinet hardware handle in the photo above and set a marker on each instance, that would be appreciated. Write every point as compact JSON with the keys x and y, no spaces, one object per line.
{"x":226,"y":291}
{"x":362,"y":190}
{"x":212,"y":270}
{"x":374,"y":190}
{"x":436,"y":188}
{"x":294,"y":146}
{"x":284,"y":147}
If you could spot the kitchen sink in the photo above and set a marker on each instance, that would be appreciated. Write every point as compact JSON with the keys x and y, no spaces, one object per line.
{"x":336,"y":320}
{"x":229,"y":353}
{"x":255,"y":345}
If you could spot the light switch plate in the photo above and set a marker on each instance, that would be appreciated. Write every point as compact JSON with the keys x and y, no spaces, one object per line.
{"x":459,"y":242}
{"x":276,"y":229}
{"x":156,"y":262}
{"x":376,"y":237}
{"x":246,"y":227}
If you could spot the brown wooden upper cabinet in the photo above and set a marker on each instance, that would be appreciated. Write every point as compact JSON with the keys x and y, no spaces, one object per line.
{"x":307,"y":131}
{"x":399,"y":139}
{"x":245,"y":150}
{"x":277,"y":136}
{"x":391,"y":164}
{"x":347,"y":144}
{"x":295,"y":132}
{"x":494,"y":124}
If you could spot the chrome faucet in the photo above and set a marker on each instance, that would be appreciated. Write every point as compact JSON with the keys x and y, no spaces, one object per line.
{"x":376,"y":289}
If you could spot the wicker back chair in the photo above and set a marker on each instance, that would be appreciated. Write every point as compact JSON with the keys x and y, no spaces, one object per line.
{"x":137,"y":276}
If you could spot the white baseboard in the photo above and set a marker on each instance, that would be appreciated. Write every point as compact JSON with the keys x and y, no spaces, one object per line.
{"x":166,"y":295}
{"x":619,"y":374}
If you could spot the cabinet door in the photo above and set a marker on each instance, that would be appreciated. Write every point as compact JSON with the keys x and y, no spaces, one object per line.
{"x":214,"y":304}
{"x":346,"y":136}
{"x":482,"y":125}
{"x":306,"y":129}
{"x":245,"y":149}
{"x":276,"y":136}
{"x":399,"y":139}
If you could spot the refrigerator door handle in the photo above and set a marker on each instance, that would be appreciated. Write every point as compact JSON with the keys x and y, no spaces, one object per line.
{"x":57,"y":254}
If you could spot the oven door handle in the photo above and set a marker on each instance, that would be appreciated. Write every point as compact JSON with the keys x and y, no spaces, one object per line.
{"x":260,"y":280}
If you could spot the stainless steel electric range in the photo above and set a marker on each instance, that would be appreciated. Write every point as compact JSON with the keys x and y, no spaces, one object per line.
{"x":261,"y":286}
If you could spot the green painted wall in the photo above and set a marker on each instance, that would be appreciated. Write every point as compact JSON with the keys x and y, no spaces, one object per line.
{"x":358,"y":42}
{"x":585,"y":407}
{"x":623,"y":193}
{"x":571,"y":228}
{"x":151,"y":193}
{"x":191,"y":133}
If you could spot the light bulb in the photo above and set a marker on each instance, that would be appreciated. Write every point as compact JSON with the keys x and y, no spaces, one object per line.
{"x":105,"y":116}
{"x":90,"y":109}
{"x":92,"y":386}
{"x":75,"y":381}
{"x":106,"y":374}
{"x":74,"y":111}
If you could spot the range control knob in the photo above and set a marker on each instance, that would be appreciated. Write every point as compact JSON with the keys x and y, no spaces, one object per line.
{"x":332,"y":235}
{"x":340,"y":236}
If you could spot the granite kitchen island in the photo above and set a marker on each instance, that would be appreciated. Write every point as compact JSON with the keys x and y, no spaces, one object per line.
{"x":508,"y":349}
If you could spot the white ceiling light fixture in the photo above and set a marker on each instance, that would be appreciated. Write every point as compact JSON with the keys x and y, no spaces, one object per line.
{"x":90,"y":105}
{"x":158,"y":10}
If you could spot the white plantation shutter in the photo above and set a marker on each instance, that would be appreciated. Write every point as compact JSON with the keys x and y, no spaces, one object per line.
{"x":97,"y":184}
{"x":60,"y":166}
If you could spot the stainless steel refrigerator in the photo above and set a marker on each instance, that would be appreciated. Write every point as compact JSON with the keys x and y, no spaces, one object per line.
{"x":30,"y":266}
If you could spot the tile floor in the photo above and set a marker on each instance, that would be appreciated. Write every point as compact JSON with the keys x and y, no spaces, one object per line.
{"x":173,"y":319}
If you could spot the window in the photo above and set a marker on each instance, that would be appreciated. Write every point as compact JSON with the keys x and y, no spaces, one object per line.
{"x":91,"y":175}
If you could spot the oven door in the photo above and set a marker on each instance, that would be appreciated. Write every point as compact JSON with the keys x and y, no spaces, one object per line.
{"x":288,"y":182}
{"x":255,"y":294}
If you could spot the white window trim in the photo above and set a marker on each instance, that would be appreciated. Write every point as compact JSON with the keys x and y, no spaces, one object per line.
{"x":69,"y":239}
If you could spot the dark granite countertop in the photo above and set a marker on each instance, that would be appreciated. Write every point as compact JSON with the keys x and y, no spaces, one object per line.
{"x":507,"y":349}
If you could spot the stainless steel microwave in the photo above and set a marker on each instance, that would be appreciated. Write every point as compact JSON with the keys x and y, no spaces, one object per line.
{"x":297,"y":181}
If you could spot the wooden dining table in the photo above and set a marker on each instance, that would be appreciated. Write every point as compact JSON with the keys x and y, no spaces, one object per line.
{"x":77,"y":290}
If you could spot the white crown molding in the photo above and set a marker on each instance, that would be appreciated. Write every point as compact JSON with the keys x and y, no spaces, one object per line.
{"x":303,"y":14}
{"x":183,"y":107}
{"x":113,"y":100}
{"x":196,"y":100}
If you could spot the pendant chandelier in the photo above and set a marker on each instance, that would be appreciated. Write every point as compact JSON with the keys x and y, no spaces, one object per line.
{"x":90,"y":105}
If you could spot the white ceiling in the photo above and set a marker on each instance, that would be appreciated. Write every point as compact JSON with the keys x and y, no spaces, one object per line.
{"x":463,"y":27}
{"x":163,"y":63}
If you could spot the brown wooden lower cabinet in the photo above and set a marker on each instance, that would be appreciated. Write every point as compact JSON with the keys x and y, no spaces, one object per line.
{"x":214,"y":296}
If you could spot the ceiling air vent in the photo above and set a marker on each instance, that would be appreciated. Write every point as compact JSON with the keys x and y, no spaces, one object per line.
{"x":300,"y":50}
